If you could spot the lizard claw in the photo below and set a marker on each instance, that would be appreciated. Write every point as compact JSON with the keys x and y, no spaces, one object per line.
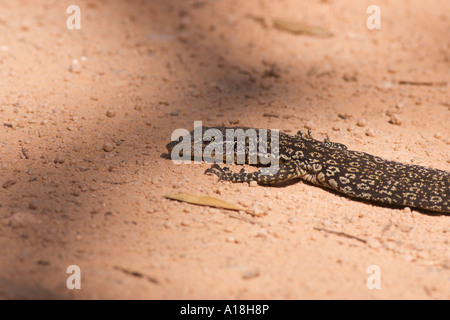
{"x":217,"y":170}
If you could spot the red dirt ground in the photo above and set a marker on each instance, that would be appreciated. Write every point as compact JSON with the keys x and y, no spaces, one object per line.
{"x":146,"y":68}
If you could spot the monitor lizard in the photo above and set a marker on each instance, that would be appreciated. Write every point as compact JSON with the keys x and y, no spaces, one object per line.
{"x":332,"y":165}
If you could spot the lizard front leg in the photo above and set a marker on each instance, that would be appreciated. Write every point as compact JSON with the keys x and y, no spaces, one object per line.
{"x":266,"y":176}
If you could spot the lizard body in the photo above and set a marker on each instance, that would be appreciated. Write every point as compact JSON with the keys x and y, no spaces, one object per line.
{"x":331,"y":165}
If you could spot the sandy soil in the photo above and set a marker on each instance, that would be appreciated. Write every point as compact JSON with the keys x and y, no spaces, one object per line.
{"x":146,"y":68}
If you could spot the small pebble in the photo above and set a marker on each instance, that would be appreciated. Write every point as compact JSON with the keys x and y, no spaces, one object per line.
{"x":361,"y":122}
{"x":250,"y":274}
{"x":167,"y":225}
{"x":59,"y":160}
{"x":108,"y":147}
{"x":25,"y":26}
{"x":371,"y":132}
{"x":9,"y":183}
{"x":228,"y":229}
{"x":253,"y":184}
{"x":110,"y":114}
{"x":258,"y":209}
{"x":261,"y":233}
{"x":185,"y":223}
{"x":395,"y":119}
{"x":310,"y":125}
{"x":373,"y":243}
{"x":75,"y":67}
{"x":32,"y":205}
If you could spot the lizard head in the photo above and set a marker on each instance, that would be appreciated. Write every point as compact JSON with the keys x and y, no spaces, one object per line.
{"x":190,"y":144}
{"x":230,"y":145}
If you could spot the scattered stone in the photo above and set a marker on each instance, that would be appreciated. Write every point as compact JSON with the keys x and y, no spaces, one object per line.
{"x":350,"y":77}
{"x":75,"y":67}
{"x":272,"y":71}
{"x":59,"y":160}
{"x":271,"y":115}
{"x":167,"y":225}
{"x":258,"y":210}
{"x":310,"y":125}
{"x":228,"y":229}
{"x":261,"y":233}
{"x":391,"y":69}
{"x":185,"y":223}
{"x":174,"y":113}
{"x":344,"y":116}
{"x":373,"y":243}
{"x":25,"y":26}
{"x":108,"y":147}
{"x":395,"y":119}
{"x":386,"y":85}
{"x":407,"y":210}
{"x":361,"y":122}
{"x":32,"y":205}
{"x":371,"y":132}
{"x":9,"y":183}
{"x":43,"y":262}
{"x":231,"y":239}
{"x":250,"y":274}
{"x":253,"y":183}
{"x":110,"y":114}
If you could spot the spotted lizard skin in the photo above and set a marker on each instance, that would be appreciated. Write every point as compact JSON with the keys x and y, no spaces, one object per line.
{"x":331,"y":165}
